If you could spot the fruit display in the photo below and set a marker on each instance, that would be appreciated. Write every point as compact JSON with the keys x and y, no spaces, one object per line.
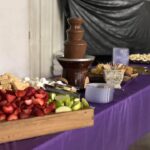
{"x":65,"y":103}
{"x":21,"y":104}
{"x":27,"y":98}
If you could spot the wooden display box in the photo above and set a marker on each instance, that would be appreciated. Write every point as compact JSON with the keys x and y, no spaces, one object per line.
{"x":38,"y":126}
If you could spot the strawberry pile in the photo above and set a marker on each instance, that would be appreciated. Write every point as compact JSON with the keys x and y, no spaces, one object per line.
{"x":23,"y":104}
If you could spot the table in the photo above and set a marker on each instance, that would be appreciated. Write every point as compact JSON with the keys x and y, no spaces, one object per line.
{"x":117,"y":124}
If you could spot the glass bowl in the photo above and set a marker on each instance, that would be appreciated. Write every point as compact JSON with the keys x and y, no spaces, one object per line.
{"x":114,"y":78}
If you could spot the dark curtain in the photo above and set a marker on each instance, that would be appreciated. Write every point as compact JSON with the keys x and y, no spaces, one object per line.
{"x":113,"y":23}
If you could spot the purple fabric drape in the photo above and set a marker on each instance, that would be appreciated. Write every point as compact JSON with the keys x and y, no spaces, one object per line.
{"x":117,"y":124}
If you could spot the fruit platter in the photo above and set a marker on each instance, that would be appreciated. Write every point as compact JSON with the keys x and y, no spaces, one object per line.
{"x":97,"y":72}
{"x":140,"y":58}
{"x":31,"y":108}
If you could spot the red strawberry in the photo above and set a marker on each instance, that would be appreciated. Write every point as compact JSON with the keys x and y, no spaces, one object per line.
{"x":8,"y":109}
{"x":31,"y":106}
{"x":30,"y":91}
{"x":41,"y":91}
{"x":10,"y":98}
{"x":38,"y":112}
{"x":50,"y":108}
{"x":28,"y":101}
{"x":2,"y":116}
{"x":25,"y":97}
{"x":38,"y":106}
{"x":27,"y":111}
{"x":10,"y":92}
{"x":38,"y":101}
{"x":14,"y":105}
{"x":2,"y":94}
{"x":21,"y":105}
{"x":40,"y":95}
{"x":46,"y":97}
{"x":23,"y":115}
{"x":20,"y":93}
{"x":3,"y":102}
{"x":32,"y":97}
{"x":18,"y":99}
{"x":12,"y":117}
{"x":16,"y":112}
{"x":1,"y":98}
{"x":47,"y":110}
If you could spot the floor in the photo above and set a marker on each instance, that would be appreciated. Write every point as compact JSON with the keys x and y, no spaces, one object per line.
{"x":142,"y":144}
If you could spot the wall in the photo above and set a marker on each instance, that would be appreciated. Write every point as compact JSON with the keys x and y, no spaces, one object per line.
{"x":14,"y":51}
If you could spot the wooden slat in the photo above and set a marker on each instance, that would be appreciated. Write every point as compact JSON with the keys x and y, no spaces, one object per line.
{"x":37,"y":126}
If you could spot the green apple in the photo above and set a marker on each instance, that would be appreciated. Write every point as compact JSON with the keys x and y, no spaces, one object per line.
{"x":49,"y":101}
{"x":85,"y":103}
{"x":71,"y":103}
{"x":62,"y":98}
{"x":77,"y":99}
{"x":77,"y":106}
{"x":63,"y":109}
{"x":67,"y":102}
{"x":53,"y":95}
{"x":59,"y":104}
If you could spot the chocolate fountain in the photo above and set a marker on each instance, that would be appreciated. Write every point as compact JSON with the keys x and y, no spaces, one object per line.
{"x":74,"y":62}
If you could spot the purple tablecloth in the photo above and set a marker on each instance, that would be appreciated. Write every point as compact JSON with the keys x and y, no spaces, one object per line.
{"x":117,"y":125}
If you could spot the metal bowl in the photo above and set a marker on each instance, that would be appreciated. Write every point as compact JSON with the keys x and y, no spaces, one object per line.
{"x":86,"y":58}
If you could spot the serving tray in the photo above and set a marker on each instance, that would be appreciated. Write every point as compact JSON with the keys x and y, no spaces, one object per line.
{"x":141,"y":70}
{"x":38,"y":126}
{"x":139,"y":62}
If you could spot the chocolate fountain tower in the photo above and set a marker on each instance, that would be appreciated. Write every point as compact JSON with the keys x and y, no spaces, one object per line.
{"x":75,"y":46}
{"x":75,"y":63}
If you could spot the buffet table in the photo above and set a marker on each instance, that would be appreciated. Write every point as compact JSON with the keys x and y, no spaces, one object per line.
{"x":117,"y":124}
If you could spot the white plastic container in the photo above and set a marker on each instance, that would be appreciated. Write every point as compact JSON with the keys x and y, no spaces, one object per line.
{"x":99,"y":93}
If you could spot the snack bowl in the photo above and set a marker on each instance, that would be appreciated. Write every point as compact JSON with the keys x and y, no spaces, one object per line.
{"x":99,"y":93}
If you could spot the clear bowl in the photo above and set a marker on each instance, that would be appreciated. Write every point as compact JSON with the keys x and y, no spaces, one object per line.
{"x":114,"y":78}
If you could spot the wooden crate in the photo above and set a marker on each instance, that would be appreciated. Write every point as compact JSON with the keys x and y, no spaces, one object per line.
{"x":38,"y":126}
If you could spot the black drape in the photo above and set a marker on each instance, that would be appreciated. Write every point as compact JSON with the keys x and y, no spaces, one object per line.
{"x":113,"y":23}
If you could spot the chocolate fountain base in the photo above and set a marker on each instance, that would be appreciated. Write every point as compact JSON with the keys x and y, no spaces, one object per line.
{"x":76,"y":70}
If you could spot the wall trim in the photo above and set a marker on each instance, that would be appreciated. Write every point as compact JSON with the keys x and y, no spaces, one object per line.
{"x":46,"y":35}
